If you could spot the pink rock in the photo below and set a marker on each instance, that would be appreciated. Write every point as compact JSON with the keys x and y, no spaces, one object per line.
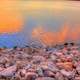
{"x":77,"y":78}
{"x":31,"y":76}
{"x":45,"y":78}
{"x":59,"y":53}
{"x":49,"y":73}
{"x":23,"y":72}
{"x":78,"y":69}
{"x":66,"y":73}
{"x":8,"y":71}
{"x":59,"y":76}
{"x":1,"y":69}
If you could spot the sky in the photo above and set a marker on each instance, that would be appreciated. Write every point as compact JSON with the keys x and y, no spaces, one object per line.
{"x":19,"y":17}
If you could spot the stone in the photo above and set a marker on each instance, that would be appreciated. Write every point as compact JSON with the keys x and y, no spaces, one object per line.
{"x":59,"y":76}
{"x":65,"y":65}
{"x":8,"y":71}
{"x":66,"y":73}
{"x":77,"y":78}
{"x":31,"y":76}
{"x":48,"y":73}
{"x":53,"y":57}
{"x":40,"y":71}
{"x":45,"y":78}
{"x":78,"y":69}
{"x":38,"y":59}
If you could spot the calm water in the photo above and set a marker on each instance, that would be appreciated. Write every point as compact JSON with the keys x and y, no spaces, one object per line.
{"x":47,"y":19}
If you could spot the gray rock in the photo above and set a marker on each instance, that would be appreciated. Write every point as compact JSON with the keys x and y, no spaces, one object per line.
{"x":40,"y":71}
{"x":53,"y":57}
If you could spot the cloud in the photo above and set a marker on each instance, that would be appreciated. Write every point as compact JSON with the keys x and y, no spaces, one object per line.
{"x":10,"y":19}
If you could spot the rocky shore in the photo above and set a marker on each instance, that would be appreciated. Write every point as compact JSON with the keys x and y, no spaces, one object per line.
{"x":60,"y":62}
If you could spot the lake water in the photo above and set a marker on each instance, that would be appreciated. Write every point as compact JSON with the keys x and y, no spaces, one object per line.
{"x":51,"y":20}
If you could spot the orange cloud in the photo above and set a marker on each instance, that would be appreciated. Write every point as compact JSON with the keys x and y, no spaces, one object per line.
{"x":10,"y":18}
{"x":49,"y":38}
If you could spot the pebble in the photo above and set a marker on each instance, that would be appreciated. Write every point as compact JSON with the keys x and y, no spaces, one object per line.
{"x":40,"y":71}
{"x":31,"y":76}
{"x":66,"y":73}
{"x":45,"y":78}
{"x":38,"y":59}
{"x":8,"y":71}
{"x":77,"y":78}
{"x":65,"y":65}
{"x":62,"y":63}
{"x":59,"y":76}
{"x":48,"y":73}
{"x":78,"y":69}
{"x":53,"y":57}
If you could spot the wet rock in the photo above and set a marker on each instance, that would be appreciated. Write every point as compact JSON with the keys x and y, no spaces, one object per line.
{"x":38,"y":59}
{"x":48,"y":73}
{"x":48,"y":65}
{"x":7,"y":50}
{"x":31,"y":76}
{"x":59,"y":76}
{"x":59,"y":63}
{"x":28,"y":66}
{"x":78,"y":69}
{"x":1,"y":69}
{"x":53,"y":57}
{"x":31,"y":70}
{"x":77,"y":78}
{"x":68,"y":74}
{"x":40,"y":71}
{"x":23,"y":73}
{"x":65,"y":65}
{"x":52,"y":67}
{"x":8,"y":71}
{"x":45,"y":78}
{"x":58,"y":54}
{"x":3,"y":60}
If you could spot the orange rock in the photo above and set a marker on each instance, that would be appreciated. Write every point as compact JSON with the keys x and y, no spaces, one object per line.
{"x":66,"y":65}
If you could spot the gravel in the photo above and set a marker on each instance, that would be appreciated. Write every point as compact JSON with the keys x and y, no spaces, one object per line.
{"x":51,"y":63}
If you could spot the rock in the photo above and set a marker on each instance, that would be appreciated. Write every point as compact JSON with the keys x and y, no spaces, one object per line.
{"x":49,"y":66}
{"x":59,"y":76}
{"x":23,"y":73}
{"x":65,"y":65}
{"x":59,"y":54}
{"x":77,"y":78}
{"x":7,"y":50}
{"x":53,"y":57}
{"x":45,"y":78}
{"x":68,"y":74}
{"x":48,"y":73}
{"x":52,"y":67}
{"x":1,"y":69}
{"x":31,"y":76}
{"x":3,"y":60}
{"x":78,"y":69}
{"x":28,"y":66}
{"x":8,"y":71}
{"x":40,"y":71}
{"x":31,"y":70}
{"x":38,"y":59}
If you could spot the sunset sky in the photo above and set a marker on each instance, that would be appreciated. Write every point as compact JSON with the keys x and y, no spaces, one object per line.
{"x":19,"y":17}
